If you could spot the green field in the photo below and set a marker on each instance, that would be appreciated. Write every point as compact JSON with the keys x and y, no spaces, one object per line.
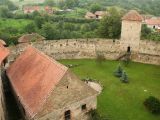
{"x":15,"y":23}
{"x":121,"y":101}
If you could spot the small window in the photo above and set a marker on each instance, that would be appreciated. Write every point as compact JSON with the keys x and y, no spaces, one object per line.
{"x":83,"y":107}
{"x":67,"y":115}
{"x":67,"y":87}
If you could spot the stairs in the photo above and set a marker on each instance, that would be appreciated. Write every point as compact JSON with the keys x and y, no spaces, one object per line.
{"x":124,"y":56}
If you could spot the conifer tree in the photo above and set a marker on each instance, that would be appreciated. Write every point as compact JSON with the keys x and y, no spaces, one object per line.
{"x":119,"y":71}
{"x":124,"y":77}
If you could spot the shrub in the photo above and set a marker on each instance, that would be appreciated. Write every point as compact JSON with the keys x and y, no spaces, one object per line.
{"x":100,"y":58}
{"x":93,"y":115}
{"x":152,"y":104}
{"x":118,"y":72}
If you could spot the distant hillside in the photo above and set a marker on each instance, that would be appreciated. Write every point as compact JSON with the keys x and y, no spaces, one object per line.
{"x":22,"y":2}
{"x":144,"y":6}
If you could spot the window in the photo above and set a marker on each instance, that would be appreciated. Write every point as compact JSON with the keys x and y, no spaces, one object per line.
{"x":83,"y":107}
{"x":67,"y":115}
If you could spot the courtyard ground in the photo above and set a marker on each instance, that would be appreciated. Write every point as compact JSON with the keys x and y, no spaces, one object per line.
{"x":119,"y":101}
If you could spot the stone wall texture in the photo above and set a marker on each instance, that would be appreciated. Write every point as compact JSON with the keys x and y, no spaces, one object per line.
{"x":130,"y":35}
{"x":2,"y":103}
{"x":147,"y":52}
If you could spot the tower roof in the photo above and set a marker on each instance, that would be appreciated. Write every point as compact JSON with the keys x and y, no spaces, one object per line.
{"x":132,"y":15}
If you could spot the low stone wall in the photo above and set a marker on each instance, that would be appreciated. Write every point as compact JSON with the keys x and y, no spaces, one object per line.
{"x":149,"y":51}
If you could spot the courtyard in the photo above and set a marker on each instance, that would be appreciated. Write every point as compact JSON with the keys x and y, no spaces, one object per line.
{"x":120,"y":101}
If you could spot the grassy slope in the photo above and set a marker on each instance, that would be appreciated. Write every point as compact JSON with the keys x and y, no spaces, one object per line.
{"x":122,"y":101}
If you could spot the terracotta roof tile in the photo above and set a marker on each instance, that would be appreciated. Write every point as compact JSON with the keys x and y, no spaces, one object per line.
{"x":89,"y":14}
{"x":2,"y":42}
{"x":30,"y":38}
{"x":152,"y":21}
{"x":33,"y":76}
{"x":132,"y":15}
{"x":4,"y":52}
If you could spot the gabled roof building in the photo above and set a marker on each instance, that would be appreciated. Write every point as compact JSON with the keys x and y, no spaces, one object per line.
{"x":47,"y":90}
{"x":4,"y":52}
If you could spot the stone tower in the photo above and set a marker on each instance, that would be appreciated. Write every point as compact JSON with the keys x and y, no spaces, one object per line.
{"x":131,"y":31}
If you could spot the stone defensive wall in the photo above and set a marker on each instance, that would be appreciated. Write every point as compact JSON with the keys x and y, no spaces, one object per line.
{"x":149,"y":51}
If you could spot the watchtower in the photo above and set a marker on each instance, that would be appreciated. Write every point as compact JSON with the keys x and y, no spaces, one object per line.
{"x":131,"y":31}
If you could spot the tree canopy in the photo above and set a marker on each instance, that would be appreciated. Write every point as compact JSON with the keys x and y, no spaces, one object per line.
{"x":110,"y":26}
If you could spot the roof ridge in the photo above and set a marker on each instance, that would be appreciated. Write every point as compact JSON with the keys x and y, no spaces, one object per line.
{"x":48,"y":58}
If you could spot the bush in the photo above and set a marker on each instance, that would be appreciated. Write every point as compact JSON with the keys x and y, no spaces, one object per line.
{"x":152,"y":104}
{"x":118,"y":72}
{"x":100,"y":58}
{"x":93,"y":115}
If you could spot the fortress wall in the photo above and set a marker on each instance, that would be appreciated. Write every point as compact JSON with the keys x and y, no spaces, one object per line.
{"x":149,"y":47}
{"x":146,"y":58}
{"x":72,"y":49}
{"x":149,"y":51}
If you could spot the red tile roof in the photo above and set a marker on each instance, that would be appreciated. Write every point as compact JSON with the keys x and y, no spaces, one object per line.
{"x":33,"y":76}
{"x":2,"y":42}
{"x":30,"y":38}
{"x":4,"y":52}
{"x":89,"y":14}
{"x":132,"y":15}
{"x":100,"y":13}
{"x":152,"y":21}
{"x":36,"y":8}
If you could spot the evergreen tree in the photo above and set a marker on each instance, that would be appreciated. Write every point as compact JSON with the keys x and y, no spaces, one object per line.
{"x":119,"y":71}
{"x":124,"y":77}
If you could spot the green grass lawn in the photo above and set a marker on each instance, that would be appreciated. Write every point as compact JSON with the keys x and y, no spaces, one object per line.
{"x":121,"y":101}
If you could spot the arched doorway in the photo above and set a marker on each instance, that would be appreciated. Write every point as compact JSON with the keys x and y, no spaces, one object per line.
{"x":128,"y":49}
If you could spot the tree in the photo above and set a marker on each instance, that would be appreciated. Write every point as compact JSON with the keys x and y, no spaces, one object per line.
{"x":30,"y":28}
{"x":49,"y":2}
{"x":49,"y":31}
{"x":145,"y":31}
{"x":152,"y":104}
{"x":61,"y":4}
{"x":11,"y":5}
{"x":110,"y":26}
{"x":71,"y":3}
{"x":119,"y":71}
{"x":39,"y":21}
{"x":4,"y":12}
{"x":124,"y":77}
{"x":95,"y":7}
